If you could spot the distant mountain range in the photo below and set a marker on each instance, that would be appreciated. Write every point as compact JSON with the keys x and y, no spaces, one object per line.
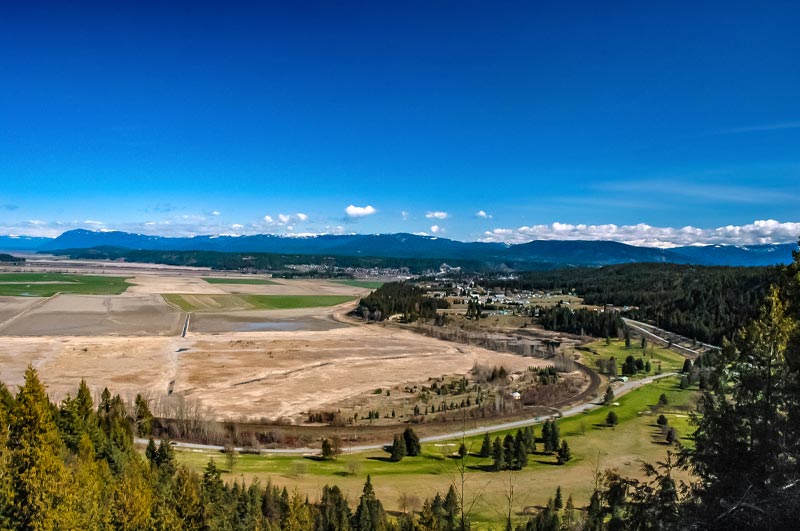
{"x":539,"y":253}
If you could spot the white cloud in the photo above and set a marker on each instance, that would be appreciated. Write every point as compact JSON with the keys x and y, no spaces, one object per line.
{"x":437,"y":215}
{"x":404,"y":215}
{"x":483,"y":214}
{"x":237,"y":226}
{"x":359,"y":212}
{"x":215,"y":213}
{"x":758,"y":232}
{"x":285,"y":219}
{"x":436,"y":229}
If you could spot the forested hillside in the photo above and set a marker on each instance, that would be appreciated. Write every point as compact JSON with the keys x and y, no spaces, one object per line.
{"x":705,"y":303}
{"x":400,"y":298}
{"x":745,"y":456}
{"x":74,"y":467}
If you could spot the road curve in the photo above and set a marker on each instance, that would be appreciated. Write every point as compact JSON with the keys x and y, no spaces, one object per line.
{"x":575,"y":410}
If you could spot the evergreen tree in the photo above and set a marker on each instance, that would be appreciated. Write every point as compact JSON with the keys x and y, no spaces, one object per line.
{"x":612,"y":419}
{"x":498,"y":455}
{"x":327,"y":450}
{"x":143,"y":416}
{"x":558,"y":501}
{"x":370,"y":515}
{"x":520,"y":452}
{"x":609,"y":396}
{"x":151,"y":452}
{"x":36,"y":473}
{"x":165,"y":457}
{"x":298,"y":514}
{"x":413,"y":447}
{"x":451,"y":510}
{"x":398,"y":449}
{"x":508,"y":450}
{"x":553,"y":436}
{"x":564,"y":453}
{"x":462,"y":451}
{"x":546,"y":435}
{"x":486,"y":446}
{"x":569,"y":512}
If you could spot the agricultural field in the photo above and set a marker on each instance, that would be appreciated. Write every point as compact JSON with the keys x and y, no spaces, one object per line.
{"x":368,"y":284}
{"x":239,"y":280}
{"x":242,"y":301}
{"x":636,"y":438}
{"x":48,"y":284}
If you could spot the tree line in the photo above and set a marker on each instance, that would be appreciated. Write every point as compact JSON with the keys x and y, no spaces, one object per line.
{"x":583,"y":321}
{"x":262,"y":262}
{"x":400,"y":298}
{"x":700,"y":302}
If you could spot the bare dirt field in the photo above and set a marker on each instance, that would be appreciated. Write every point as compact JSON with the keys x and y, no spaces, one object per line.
{"x":252,"y":375}
{"x":10,"y":307}
{"x":262,"y":321}
{"x":250,"y":364}
{"x":96,"y":315}
{"x":151,"y":283}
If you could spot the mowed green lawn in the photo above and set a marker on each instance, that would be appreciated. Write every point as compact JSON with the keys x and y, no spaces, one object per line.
{"x":221,"y":280}
{"x":660,"y":358}
{"x":368,"y":284}
{"x":242,"y":301}
{"x":48,"y":284}
{"x":635,"y":439}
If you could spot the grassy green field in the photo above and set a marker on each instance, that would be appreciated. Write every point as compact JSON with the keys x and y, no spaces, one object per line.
{"x":286,"y":302}
{"x":221,"y":280}
{"x":637,"y":438}
{"x":661,"y":359}
{"x":48,"y":284}
{"x":242,"y":301}
{"x":369,"y":284}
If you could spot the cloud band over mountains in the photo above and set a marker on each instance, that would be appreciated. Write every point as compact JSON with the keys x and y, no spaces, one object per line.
{"x":643,"y":235}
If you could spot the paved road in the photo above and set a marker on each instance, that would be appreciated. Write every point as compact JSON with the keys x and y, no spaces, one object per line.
{"x":648,"y":331}
{"x":623,"y":389}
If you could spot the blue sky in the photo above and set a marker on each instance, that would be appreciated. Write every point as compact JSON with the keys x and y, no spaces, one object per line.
{"x":619,"y":120}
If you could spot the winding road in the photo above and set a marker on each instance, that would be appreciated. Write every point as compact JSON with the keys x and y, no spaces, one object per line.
{"x":570,"y":412}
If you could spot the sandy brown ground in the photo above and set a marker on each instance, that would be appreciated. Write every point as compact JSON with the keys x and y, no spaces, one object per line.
{"x":254,"y":375}
{"x":127,"y":365}
{"x":159,"y":283}
{"x":10,"y":307}
{"x":131,"y":344}
{"x":152,"y":283}
{"x":262,"y":320}
{"x":96,"y":315}
{"x":281,"y":374}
